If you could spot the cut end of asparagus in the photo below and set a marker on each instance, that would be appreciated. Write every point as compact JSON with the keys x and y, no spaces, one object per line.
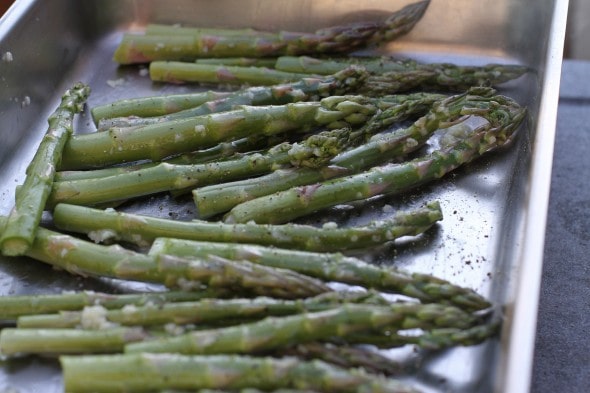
{"x":13,"y":247}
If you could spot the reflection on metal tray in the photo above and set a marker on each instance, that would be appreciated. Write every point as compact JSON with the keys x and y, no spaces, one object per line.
{"x":492,"y":244}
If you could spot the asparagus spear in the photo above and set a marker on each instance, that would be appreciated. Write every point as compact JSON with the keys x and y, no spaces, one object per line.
{"x":26,"y":305}
{"x":19,"y":232}
{"x":347,"y":357}
{"x":135,"y":48}
{"x":239,"y":61}
{"x":63,"y":341}
{"x":202,"y":311}
{"x":220,"y":151}
{"x":393,"y":178}
{"x":414,"y":74}
{"x":154,"y":105}
{"x":182,"y":72}
{"x":280,"y":332}
{"x":434,"y":340}
{"x":161,"y":140}
{"x":314,"y":152}
{"x":333,"y":267}
{"x":214,"y":199}
{"x":104,"y":225}
{"x":146,"y":372}
{"x":84,"y":258}
{"x":310,"y":88}
{"x":169,"y":177}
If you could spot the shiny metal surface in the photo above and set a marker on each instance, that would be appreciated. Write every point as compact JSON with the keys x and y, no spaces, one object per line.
{"x":492,"y":235}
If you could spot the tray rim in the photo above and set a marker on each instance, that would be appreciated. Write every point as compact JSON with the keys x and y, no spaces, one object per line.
{"x":516,"y":369}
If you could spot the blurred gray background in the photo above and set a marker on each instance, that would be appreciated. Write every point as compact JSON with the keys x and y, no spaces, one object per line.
{"x":577,"y":45}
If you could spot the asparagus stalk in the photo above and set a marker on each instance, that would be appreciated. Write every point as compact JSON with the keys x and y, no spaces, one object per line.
{"x":434,"y":340}
{"x":414,"y":74}
{"x":19,"y":232}
{"x":239,"y":61}
{"x":135,"y":48}
{"x":104,"y":225}
{"x":154,"y":105}
{"x":310,"y":88}
{"x":393,"y":178}
{"x":15,"y":341}
{"x":347,"y":357}
{"x":147,"y":372}
{"x":182,"y":72}
{"x":333,"y":267}
{"x":84,"y":258}
{"x":214,"y":199}
{"x":165,"y":29}
{"x":13,"y":307}
{"x":161,"y":140}
{"x":220,"y":151}
{"x":314,"y":152}
{"x":200,"y":312}
{"x":274,"y":333}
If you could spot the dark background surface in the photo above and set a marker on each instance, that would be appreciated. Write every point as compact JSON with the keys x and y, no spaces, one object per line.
{"x":562,"y":353}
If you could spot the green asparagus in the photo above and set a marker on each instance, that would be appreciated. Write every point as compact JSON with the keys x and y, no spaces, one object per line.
{"x":498,"y":129}
{"x":280,"y":332}
{"x":425,"y":75}
{"x":434,"y":340}
{"x":200,"y":312}
{"x":153,"y":105}
{"x":218,"y":152}
{"x":307,"y":89}
{"x":168,"y":177}
{"x":137,"y":48}
{"x":182,"y":72}
{"x":161,"y":140}
{"x":146,"y":372}
{"x":19,"y":231}
{"x":104,"y":225}
{"x":13,"y":307}
{"x":239,"y":61}
{"x":314,"y":152}
{"x":333,"y":267}
{"x":214,"y":199}
{"x":84,"y":258}
{"x":15,"y":341}
{"x":348,"y":357}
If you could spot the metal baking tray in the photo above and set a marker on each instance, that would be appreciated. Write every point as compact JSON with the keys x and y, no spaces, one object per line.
{"x":492,"y":235}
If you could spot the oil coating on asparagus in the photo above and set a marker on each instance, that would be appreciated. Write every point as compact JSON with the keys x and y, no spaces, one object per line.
{"x":19,"y":231}
{"x":214,"y":199}
{"x":501,"y":124}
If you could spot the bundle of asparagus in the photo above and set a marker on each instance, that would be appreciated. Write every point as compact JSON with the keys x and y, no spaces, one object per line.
{"x":252,"y":301}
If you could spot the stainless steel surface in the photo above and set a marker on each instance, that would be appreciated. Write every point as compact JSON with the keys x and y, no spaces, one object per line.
{"x":492,"y":236}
